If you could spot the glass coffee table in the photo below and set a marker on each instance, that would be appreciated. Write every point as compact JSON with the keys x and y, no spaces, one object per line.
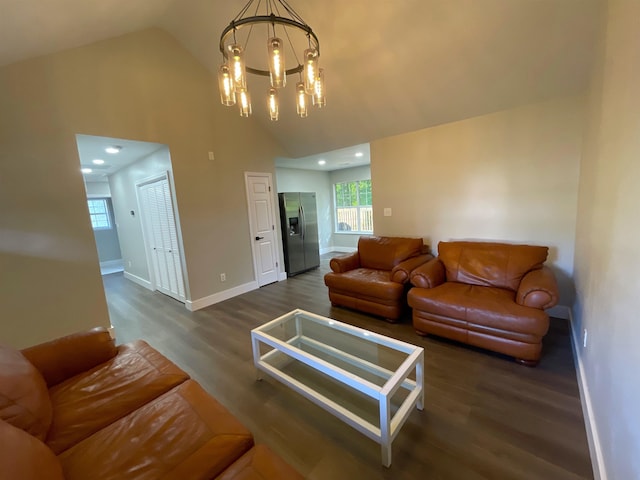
{"x":369,"y":381}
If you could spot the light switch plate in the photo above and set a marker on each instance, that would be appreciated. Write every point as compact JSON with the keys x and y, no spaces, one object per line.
{"x":387,"y":212}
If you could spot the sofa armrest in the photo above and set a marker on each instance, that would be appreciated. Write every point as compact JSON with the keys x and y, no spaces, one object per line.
{"x":402,"y":271}
{"x":538,"y":289}
{"x":67,"y":356}
{"x":345,"y":263}
{"x":429,"y":275}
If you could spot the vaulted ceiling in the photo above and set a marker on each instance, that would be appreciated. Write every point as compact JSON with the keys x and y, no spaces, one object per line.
{"x":391,"y":66}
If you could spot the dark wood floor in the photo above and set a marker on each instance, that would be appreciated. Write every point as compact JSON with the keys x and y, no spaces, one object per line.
{"x":485,"y":417}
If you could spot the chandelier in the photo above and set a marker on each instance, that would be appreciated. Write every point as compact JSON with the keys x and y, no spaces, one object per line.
{"x":277,"y":21}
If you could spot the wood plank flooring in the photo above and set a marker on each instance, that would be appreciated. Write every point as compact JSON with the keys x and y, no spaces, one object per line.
{"x":485,"y":417}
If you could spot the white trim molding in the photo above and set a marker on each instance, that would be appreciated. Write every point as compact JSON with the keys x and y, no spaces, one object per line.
{"x":200,"y":303}
{"x":338,"y":250}
{"x":118,"y":263}
{"x":140,"y":281}
{"x":282,"y":276}
{"x":595,"y":448}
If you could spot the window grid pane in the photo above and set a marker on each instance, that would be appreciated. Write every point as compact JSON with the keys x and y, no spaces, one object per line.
{"x":353,"y":206}
{"x":99,"y":214}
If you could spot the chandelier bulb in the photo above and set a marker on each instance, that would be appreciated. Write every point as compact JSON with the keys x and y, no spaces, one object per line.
{"x":301,"y":100}
{"x":319,"y":98}
{"x":226,"y":86}
{"x":310,"y":69}
{"x":237,"y":66}
{"x":244,"y":101}
{"x":277,"y":69}
{"x":273,"y":104}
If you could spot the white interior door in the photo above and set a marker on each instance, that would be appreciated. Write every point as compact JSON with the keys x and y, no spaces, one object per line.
{"x":161,"y":237}
{"x":262,"y":227}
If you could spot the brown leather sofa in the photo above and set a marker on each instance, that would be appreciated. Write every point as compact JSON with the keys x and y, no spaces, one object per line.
{"x":81,"y":408}
{"x":490,"y":295}
{"x":375,"y":278}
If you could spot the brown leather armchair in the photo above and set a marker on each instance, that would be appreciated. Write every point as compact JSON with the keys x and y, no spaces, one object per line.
{"x":490,"y":295}
{"x":375,"y":278}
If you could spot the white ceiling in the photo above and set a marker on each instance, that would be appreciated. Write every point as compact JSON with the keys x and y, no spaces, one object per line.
{"x":355,"y":156}
{"x":91,"y":148}
{"x":391,"y":66}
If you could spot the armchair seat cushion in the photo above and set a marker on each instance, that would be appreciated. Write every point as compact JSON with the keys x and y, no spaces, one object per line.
{"x":87,"y":402}
{"x":479,"y":307}
{"x":367,"y":283}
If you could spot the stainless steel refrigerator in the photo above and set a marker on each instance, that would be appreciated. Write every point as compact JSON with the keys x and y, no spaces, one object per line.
{"x":299,"y":221}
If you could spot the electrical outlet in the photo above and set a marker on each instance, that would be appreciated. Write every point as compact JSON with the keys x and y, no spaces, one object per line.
{"x":223,"y":277}
{"x":584,"y":338}
{"x":211,"y":156}
{"x":129,"y":263}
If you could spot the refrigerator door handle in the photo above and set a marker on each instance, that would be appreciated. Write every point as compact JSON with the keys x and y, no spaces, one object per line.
{"x":302,"y":221}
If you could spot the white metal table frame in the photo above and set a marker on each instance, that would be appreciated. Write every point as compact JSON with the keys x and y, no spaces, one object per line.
{"x":389,"y":425}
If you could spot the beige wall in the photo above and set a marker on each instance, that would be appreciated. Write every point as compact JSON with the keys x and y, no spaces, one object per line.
{"x":509,"y":176}
{"x":607,"y":259}
{"x":142,"y":86}
{"x":125,"y":199}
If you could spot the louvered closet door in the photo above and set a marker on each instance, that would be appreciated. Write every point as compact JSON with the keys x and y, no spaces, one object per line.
{"x":163,"y":238}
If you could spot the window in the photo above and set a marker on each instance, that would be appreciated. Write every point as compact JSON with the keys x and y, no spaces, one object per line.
{"x":354,"y":212}
{"x":99,"y":213}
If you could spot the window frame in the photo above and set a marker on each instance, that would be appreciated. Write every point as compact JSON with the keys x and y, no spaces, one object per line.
{"x":96,"y":224}
{"x":359,"y":208}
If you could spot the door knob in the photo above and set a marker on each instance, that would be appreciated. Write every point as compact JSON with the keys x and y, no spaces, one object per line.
{"x":259,"y":238}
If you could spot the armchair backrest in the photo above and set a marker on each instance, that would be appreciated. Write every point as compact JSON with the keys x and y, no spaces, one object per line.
{"x":490,"y":264}
{"x":384,"y":253}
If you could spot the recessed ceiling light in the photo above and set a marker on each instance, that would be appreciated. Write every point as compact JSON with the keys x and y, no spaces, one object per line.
{"x":322,"y":162}
{"x":86,"y":170}
{"x":98,"y":161}
{"x":359,"y":154}
{"x":113,"y":150}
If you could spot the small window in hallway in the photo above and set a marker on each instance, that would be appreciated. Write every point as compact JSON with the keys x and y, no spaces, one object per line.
{"x":99,"y":213}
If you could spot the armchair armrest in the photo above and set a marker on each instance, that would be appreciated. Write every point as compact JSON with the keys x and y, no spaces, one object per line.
{"x":67,"y":356}
{"x":345,"y":263}
{"x":429,"y":275}
{"x":538,"y":289}
{"x":402,"y":271}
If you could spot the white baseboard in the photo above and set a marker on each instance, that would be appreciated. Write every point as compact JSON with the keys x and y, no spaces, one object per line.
{"x":559,"y":311}
{"x":194,"y":305}
{"x":282,"y":276}
{"x":112,"y":263}
{"x":595,"y":449}
{"x":140,"y":281}
{"x":339,"y":249}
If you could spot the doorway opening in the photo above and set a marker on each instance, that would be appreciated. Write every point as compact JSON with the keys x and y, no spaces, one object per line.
{"x":133,"y":212}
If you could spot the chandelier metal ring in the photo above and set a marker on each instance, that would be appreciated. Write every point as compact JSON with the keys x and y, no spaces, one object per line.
{"x":274,"y":20}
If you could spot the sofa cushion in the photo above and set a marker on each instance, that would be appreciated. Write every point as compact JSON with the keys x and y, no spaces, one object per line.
{"x":365,"y":282}
{"x":94,"y":399}
{"x":384,"y":253}
{"x":184,"y":434}
{"x":486,"y":307}
{"x":24,"y":399}
{"x":24,"y":457}
{"x":490,"y":264}
{"x":260,"y":463}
